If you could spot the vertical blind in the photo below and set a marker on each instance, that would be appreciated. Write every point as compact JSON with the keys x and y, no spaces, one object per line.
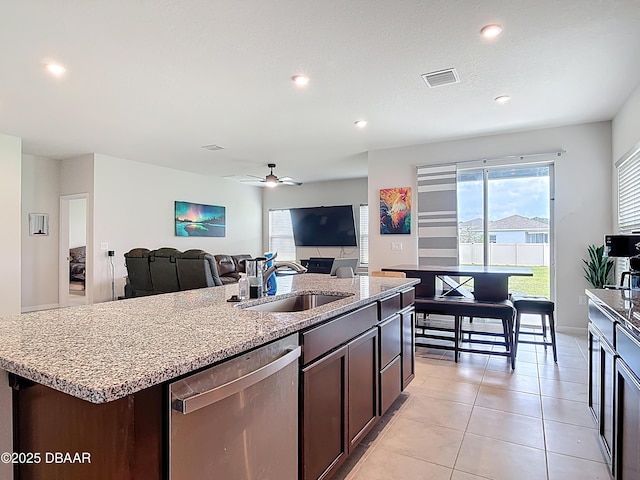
{"x":281,"y":235}
{"x":437,"y":215}
{"x":629,"y":192}
{"x":364,"y":234}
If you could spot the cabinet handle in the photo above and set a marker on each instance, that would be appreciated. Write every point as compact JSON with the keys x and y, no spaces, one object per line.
{"x":200,"y":400}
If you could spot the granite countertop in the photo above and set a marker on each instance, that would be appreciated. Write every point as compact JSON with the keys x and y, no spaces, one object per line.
{"x":106,"y":351}
{"x":622,"y":304}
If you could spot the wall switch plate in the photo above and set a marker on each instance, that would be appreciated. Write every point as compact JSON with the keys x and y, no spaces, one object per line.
{"x":104,"y":246}
{"x":396,"y":246}
{"x":582,"y":300}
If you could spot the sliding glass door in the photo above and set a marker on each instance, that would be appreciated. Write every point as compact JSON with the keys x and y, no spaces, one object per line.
{"x":505,"y":219}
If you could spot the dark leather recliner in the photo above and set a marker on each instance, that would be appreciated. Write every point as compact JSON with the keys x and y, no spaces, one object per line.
{"x":239,"y":260}
{"x":139,"y":276}
{"x":227,"y":269}
{"x":164,"y":272}
{"x":197,"y":269}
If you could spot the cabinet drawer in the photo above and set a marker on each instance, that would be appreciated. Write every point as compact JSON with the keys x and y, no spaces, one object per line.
{"x":407,"y":297}
{"x":325,"y":337}
{"x":628,"y":349}
{"x":389,"y":306}
{"x":390,"y":384}
{"x":390,"y":340}
{"x":603,"y":322}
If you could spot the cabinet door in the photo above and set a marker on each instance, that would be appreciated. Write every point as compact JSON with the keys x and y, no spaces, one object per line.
{"x":607,"y":396}
{"x":408,"y":319}
{"x":627,"y":448}
{"x":362,"y":385}
{"x":594,"y":374}
{"x":324,"y":415}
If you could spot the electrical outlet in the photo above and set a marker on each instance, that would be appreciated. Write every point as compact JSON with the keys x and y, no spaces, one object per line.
{"x":396,"y":246}
{"x":582,"y":300}
{"x":104,"y":246}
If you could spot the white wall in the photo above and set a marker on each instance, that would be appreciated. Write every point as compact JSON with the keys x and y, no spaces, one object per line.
{"x":317,"y":194}
{"x":134,"y":207}
{"x":10,"y":240}
{"x":582,"y":196}
{"x":39,"y":259}
{"x":625,"y":126}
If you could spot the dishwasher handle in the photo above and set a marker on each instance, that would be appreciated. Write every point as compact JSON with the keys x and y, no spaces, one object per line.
{"x":200,"y":400}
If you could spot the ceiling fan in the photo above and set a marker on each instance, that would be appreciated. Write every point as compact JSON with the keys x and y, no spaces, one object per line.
{"x":272,"y":180}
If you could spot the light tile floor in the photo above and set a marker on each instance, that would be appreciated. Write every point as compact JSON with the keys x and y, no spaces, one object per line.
{"x":479,"y":420}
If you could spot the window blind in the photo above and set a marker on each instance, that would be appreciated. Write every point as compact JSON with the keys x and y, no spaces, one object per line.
{"x":281,"y":235}
{"x":437,"y":215}
{"x":629,"y":192}
{"x":364,"y":234}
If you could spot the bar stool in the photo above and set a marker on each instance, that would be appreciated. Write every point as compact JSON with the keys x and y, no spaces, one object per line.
{"x":537,"y":306}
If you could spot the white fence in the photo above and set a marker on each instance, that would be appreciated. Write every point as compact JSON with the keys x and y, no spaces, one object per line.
{"x":525,"y":254}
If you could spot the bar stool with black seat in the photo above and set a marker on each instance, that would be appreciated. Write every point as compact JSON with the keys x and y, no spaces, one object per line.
{"x":536,"y":306}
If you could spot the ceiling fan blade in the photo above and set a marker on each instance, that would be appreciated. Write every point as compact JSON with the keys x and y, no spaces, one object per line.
{"x":289,"y":181}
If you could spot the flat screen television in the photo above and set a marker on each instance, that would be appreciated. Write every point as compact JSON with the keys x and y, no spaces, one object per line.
{"x":324,"y":226}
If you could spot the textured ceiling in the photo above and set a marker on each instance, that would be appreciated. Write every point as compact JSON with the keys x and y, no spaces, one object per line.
{"x":154,"y":81}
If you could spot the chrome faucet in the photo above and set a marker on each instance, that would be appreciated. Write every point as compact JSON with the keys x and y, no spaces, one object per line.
{"x":276,"y":265}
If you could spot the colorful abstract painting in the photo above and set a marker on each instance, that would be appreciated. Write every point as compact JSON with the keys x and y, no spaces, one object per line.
{"x":196,"y":220}
{"x":395,"y":210}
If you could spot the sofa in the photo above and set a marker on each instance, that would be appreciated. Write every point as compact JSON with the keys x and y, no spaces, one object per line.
{"x":167,"y":270}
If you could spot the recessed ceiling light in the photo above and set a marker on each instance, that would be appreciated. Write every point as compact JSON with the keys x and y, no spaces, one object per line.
{"x":491,"y":31}
{"x":502,"y":99}
{"x":361,"y":123}
{"x":55,"y":69}
{"x":300,"y":80}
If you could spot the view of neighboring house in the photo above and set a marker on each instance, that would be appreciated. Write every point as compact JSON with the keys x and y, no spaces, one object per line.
{"x":512,"y":229}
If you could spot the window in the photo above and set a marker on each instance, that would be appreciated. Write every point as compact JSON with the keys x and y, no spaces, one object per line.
{"x":364,"y":234}
{"x":493,"y":238}
{"x":537,"y":238}
{"x":629,"y":192}
{"x":281,"y":235}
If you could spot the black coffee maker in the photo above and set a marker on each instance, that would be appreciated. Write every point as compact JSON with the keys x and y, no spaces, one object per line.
{"x":626,"y":246}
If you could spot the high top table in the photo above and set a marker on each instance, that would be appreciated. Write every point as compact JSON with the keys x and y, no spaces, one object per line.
{"x":490,"y":284}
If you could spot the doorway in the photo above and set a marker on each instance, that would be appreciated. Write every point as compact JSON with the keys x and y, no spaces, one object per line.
{"x":505,"y":218}
{"x":73,"y":250}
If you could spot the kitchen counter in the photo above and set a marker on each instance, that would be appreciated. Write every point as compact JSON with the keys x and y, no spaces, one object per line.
{"x":104,"y":352}
{"x":624,"y":305}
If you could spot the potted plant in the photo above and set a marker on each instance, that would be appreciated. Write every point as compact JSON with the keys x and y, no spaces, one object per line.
{"x":598,"y":269}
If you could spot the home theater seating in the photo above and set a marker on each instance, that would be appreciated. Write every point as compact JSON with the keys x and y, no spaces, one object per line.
{"x":164,"y":270}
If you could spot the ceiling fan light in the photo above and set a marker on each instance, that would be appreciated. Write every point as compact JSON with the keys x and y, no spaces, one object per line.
{"x":271,"y":180}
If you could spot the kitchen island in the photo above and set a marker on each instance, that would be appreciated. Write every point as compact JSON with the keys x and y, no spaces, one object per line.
{"x":104,"y":368}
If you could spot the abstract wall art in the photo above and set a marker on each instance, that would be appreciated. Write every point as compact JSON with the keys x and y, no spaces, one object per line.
{"x":197,"y":220}
{"x":395,"y":210}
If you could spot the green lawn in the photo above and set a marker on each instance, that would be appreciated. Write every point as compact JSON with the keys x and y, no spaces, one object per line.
{"x":536,"y":285}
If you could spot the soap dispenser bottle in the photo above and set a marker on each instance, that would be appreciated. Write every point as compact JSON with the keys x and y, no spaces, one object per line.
{"x":272,"y":286}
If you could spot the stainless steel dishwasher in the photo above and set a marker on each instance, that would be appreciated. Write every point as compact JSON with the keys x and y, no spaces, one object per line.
{"x":238,"y":420}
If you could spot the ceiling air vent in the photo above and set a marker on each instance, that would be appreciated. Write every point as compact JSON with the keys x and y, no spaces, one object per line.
{"x":440,"y":78}
{"x":213,"y":147}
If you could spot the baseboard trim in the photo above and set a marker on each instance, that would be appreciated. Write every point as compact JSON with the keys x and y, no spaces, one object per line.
{"x":572,"y":330}
{"x":36,"y":308}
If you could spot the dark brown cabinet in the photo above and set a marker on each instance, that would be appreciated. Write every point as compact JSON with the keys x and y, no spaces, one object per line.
{"x":628,"y":422}
{"x":614,"y":390}
{"x":408,"y":322}
{"x":353,"y":370}
{"x":324,"y":429}
{"x":339,"y":404}
{"x":362,"y":385}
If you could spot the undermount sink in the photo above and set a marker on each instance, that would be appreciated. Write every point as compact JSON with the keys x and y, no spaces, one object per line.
{"x":297,"y":303}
